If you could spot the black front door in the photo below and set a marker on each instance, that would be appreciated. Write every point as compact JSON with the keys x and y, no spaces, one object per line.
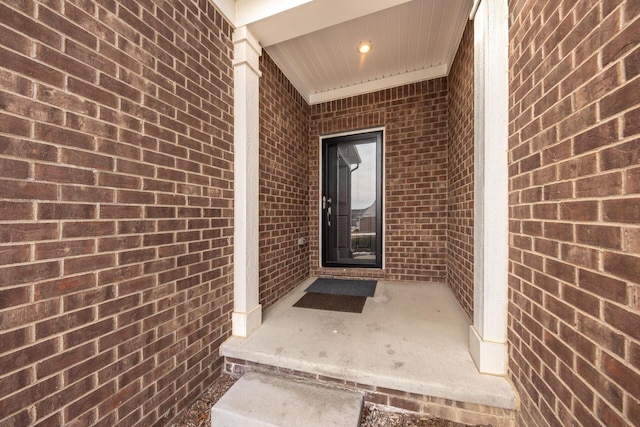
{"x":352,"y":201}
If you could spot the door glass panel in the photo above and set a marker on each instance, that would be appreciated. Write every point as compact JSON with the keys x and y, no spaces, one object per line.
{"x":351,"y":210}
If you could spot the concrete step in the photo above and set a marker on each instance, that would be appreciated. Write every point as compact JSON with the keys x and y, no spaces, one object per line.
{"x":263,"y":400}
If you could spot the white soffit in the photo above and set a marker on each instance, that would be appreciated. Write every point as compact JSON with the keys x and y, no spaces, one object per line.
{"x":314,"y":42}
{"x":279,"y":23}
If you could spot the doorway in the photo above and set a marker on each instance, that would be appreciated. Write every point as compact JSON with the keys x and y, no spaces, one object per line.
{"x":351,"y":206}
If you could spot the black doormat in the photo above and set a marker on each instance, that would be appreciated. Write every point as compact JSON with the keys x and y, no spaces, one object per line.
{"x":331,"y":302}
{"x":361,"y":288}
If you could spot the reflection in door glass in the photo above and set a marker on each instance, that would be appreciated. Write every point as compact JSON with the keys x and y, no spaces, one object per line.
{"x":363,"y":203}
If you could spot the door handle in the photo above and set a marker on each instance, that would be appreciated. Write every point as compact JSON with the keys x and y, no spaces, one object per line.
{"x":326,"y":206}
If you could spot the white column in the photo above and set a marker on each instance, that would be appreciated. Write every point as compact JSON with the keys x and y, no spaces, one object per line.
{"x":488,"y":337}
{"x":247,"y":312}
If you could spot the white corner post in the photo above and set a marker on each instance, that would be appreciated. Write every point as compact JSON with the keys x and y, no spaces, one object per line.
{"x":247,"y":311}
{"x":488,"y":335}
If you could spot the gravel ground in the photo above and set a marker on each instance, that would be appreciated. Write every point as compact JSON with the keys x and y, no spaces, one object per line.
{"x":198,"y":414}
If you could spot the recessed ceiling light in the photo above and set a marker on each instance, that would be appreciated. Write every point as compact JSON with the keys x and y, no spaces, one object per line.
{"x":364,"y":47}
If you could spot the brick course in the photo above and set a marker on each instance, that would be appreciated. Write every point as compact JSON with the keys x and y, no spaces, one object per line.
{"x":284,"y":184}
{"x":116,"y":200}
{"x":574,"y":277}
{"x":460,"y":174}
{"x":415,"y":145}
{"x":387,"y":398}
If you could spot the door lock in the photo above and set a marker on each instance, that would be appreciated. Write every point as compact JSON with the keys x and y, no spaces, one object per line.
{"x":326,"y":201}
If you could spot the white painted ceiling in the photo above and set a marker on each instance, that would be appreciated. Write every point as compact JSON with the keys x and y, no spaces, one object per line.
{"x":314,"y":42}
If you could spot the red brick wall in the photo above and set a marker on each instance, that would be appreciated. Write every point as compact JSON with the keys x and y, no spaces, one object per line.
{"x":116,"y":209}
{"x":574,"y":276}
{"x":415,"y":120}
{"x":284,"y":184}
{"x":460,"y":173}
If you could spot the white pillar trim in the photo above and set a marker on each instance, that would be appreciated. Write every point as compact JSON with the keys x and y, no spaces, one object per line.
{"x":474,"y":9}
{"x":247,"y":312}
{"x":488,"y":335}
{"x":247,"y":50}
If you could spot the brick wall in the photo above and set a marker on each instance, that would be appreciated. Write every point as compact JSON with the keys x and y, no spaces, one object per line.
{"x":116,"y":209}
{"x":415,"y":120}
{"x":460,"y":174}
{"x":574,"y":274}
{"x":284,"y":184}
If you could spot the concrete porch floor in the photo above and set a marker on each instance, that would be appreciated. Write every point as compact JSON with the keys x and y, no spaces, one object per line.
{"x":410,"y":337}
